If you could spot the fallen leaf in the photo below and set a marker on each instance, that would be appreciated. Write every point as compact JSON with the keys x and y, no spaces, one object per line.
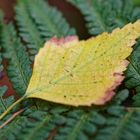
{"x":73,"y":72}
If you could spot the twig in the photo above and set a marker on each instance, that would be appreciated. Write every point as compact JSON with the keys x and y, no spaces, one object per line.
{"x":11,"y":118}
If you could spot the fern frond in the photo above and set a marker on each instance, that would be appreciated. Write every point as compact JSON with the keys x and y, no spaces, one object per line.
{"x":38,"y":22}
{"x":13,"y":129}
{"x":27,"y":29}
{"x":120,"y":97}
{"x":4,"y":103}
{"x":49,"y":20}
{"x":31,"y":124}
{"x":115,"y":124}
{"x":136,"y":100}
{"x":120,"y":125}
{"x":80,"y":125}
{"x":18,"y":68}
{"x":133,"y":71}
{"x":39,"y":125}
{"x":133,"y":74}
{"x":40,"y":129}
{"x":1,"y":66}
{"x":106,"y":15}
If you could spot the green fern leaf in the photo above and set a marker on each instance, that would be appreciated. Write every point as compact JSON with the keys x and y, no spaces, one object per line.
{"x":1,"y":66}
{"x":13,"y":129}
{"x":136,"y":100}
{"x":18,"y":69}
{"x":5,"y":103}
{"x":80,"y":125}
{"x":2,"y":102}
{"x":120,"y":97}
{"x":133,"y":71}
{"x":49,"y":20}
{"x":106,"y":15}
{"x":120,"y":125}
{"x":31,"y":124}
{"x":27,"y":29}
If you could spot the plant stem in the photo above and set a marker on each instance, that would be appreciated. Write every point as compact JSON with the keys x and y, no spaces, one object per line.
{"x":11,"y":118}
{"x":11,"y":107}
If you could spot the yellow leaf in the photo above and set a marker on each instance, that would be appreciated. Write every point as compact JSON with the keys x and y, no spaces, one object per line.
{"x":73,"y":72}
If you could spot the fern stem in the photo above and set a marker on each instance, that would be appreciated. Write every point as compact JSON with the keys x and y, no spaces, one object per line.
{"x":11,"y":107}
